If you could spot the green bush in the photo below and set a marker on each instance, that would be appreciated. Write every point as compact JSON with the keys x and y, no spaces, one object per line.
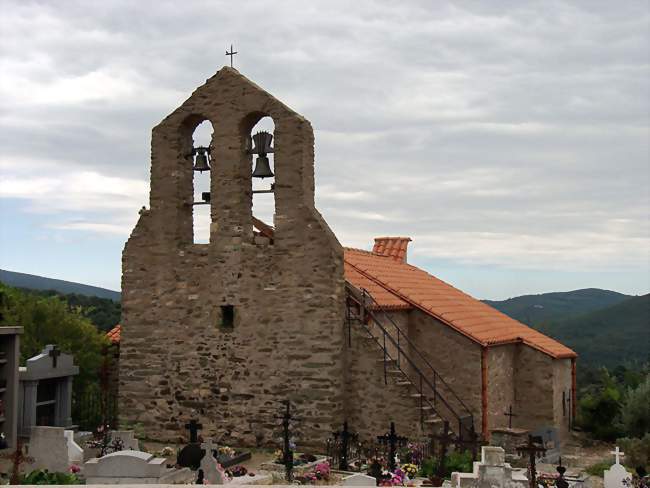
{"x":637,"y":451}
{"x":635,"y":412}
{"x":598,"y":469}
{"x":456,"y":461}
{"x":599,"y":409}
{"x":44,"y":477}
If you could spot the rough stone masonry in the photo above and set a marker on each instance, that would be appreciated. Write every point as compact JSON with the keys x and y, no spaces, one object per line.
{"x":178,"y":359}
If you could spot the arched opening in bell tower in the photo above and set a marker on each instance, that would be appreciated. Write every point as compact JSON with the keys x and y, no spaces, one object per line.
{"x":263,"y":170}
{"x":201,"y":142}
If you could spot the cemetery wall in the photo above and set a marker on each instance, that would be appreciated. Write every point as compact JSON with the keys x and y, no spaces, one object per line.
{"x":370,"y":404}
{"x":501,"y":385}
{"x":179,"y":359}
{"x":454,"y":356}
{"x":533,"y":388}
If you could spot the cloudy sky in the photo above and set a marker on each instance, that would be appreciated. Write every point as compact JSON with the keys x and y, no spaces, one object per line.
{"x":508,"y":138}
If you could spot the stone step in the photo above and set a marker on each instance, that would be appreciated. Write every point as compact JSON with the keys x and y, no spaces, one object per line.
{"x":394,"y":372}
{"x":433,"y":420}
{"x":387,"y":360}
{"x":416,"y":395}
{"x":403,"y":383}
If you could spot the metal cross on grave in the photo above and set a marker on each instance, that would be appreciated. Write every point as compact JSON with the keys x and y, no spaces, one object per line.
{"x":509,"y":414}
{"x":533,"y":449}
{"x":346,"y":436}
{"x":287,"y":453}
{"x":231,"y":54}
{"x":446,"y":438}
{"x":193,"y":426}
{"x":54,"y":354}
{"x":617,"y":452}
{"x":393,"y":440}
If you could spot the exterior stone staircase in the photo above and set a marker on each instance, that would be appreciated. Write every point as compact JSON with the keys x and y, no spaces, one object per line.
{"x":414,"y":375}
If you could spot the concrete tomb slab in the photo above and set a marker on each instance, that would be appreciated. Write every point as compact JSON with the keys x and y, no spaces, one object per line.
{"x":133,"y":467}
{"x":491,"y":472}
{"x":359,"y":479}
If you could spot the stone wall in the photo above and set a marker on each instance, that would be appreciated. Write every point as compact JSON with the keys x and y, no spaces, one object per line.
{"x":370,"y":403}
{"x":561,"y":394}
{"x":501,"y":385}
{"x":455,"y":357}
{"x":534,"y":397}
{"x":178,"y":361}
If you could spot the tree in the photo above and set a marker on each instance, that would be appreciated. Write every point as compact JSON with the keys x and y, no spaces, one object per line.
{"x":635,"y":412}
{"x":48,"y":320}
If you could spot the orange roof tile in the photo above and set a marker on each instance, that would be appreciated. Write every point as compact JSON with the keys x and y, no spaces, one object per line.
{"x":394,"y":247}
{"x":115,"y":334}
{"x":393,"y":280}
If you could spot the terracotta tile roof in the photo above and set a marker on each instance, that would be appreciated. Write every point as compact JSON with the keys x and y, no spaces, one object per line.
{"x":385,"y":298}
{"x":394,"y":247}
{"x":470,"y":317}
{"x":115,"y":334}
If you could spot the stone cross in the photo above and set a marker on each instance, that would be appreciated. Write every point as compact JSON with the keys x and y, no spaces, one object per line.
{"x":209,"y":446}
{"x":617,"y":452}
{"x":533,"y":450}
{"x":393,"y":440}
{"x":231,"y":54}
{"x":509,"y":414}
{"x":54,"y":354}
{"x":193,"y":426}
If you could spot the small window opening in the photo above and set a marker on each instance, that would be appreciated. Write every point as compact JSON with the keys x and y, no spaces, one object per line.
{"x":227,"y":316}
{"x":202,"y":137}
{"x":263,"y":196}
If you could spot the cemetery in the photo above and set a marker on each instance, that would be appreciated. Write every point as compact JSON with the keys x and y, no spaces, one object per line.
{"x":274,"y":356}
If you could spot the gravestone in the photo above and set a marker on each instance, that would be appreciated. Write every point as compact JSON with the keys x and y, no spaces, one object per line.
{"x":615,"y":476}
{"x":133,"y":467}
{"x":54,"y":449}
{"x":551,"y":442}
{"x":128,"y":438}
{"x":45,"y":392}
{"x":213,"y":472}
{"x":359,"y":479}
{"x":491,"y":472}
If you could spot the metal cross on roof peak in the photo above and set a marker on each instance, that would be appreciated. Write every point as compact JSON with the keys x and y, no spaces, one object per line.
{"x":231,"y":54}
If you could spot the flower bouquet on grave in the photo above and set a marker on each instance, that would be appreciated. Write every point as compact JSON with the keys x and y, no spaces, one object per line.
{"x":237,"y":471}
{"x":410,"y":469}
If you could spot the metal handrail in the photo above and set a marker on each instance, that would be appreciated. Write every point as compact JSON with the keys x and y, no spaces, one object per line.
{"x":414,"y":348}
{"x":422,"y":377}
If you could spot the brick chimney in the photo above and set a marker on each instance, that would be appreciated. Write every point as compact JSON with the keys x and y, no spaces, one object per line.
{"x":395,"y":247}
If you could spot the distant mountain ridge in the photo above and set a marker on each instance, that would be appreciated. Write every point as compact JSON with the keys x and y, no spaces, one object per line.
{"x":34,"y":282}
{"x":537,"y":309}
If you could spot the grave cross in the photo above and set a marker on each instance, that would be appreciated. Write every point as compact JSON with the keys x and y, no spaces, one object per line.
{"x":193,"y":426}
{"x":533,"y":449}
{"x":209,"y":446}
{"x":231,"y":54}
{"x":509,"y":414}
{"x":561,"y":481}
{"x":54,"y":354}
{"x":393,"y":440}
{"x":17,"y":458}
{"x":287,"y":452}
{"x":346,"y":436}
{"x":617,"y":452}
{"x":445,"y":439}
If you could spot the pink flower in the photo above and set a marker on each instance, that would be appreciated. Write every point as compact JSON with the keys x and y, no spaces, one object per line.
{"x":74,"y":468}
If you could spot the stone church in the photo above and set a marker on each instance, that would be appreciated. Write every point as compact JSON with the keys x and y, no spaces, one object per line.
{"x":226,"y":331}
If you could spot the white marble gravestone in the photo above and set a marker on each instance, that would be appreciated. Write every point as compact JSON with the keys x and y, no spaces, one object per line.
{"x":54,"y":449}
{"x":359,"y":479}
{"x":133,"y":467}
{"x":45,"y":392}
{"x":616,"y":474}
{"x":491,"y":472}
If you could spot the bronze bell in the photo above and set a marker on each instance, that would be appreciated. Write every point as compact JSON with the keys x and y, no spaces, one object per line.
{"x":262,"y":168}
{"x":201,"y":160}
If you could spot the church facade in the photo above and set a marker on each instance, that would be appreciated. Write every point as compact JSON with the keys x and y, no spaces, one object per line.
{"x":225,"y":332}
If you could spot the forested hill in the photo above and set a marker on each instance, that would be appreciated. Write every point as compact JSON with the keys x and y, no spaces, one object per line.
{"x":612,"y":336}
{"x":536,"y":309}
{"x":33,"y":282}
